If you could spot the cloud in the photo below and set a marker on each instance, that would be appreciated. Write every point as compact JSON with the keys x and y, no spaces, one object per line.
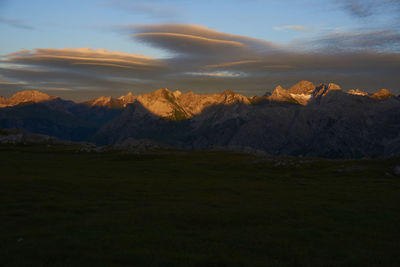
{"x":207,"y":60}
{"x":358,"y":8}
{"x":212,"y":49}
{"x":298,"y":28}
{"x":339,"y":41}
{"x":82,"y":59}
{"x":216,"y":74}
{"x":79,"y":68}
{"x":198,"y":41}
{"x":17,"y":23}
{"x":368,"y":8}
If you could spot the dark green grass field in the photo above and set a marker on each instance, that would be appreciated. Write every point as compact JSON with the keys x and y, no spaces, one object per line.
{"x":63,"y":208}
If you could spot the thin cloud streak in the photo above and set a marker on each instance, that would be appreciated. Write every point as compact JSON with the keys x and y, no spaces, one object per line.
{"x":368,"y":8}
{"x":298,"y":28}
{"x":82,"y":68}
{"x":341,"y":41}
{"x":17,"y":23}
{"x":196,"y":39}
{"x":206,"y":60}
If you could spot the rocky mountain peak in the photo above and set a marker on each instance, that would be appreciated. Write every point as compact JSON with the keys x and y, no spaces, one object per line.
{"x":382,"y":94}
{"x":278,"y":93}
{"x":302,"y":87}
{"x":3,"y":100}
{"x":104,"y":98}
{"x":323,"y":89}
{"x":26,"y":96}
{"x":177,"y":93}
{"x":30,"y":96}
{"x":101,"y":100}
{"x":334,"y":86}
{"x":300,"y":93}
{"x":163,"y":103}
{"x":231,"y":97}
{"x":129,"y":94}
{"x":357,"y":92}
{"x":278,"y":90}
{"x":127,"y":99}
{"x":162,"y":91}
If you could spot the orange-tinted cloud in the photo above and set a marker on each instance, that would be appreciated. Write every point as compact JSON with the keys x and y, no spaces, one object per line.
{"x":79,"y":68}
{"x":203,"y":59}
{"x":199,"y":41}
{"x":70,"y":56}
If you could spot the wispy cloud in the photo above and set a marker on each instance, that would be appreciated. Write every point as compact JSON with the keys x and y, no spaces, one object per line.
{"x":206,"y":59}
{"x":81,"y":67}
{"x":188,"y":40}
{"x":298,"y":28}
{"x":368,"y":8}
{"x":347,"y":41}
{"x":18,"y":23}
{"x":216,"y":74}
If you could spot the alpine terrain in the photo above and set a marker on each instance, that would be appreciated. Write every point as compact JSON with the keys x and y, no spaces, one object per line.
{"x":304,"y":120}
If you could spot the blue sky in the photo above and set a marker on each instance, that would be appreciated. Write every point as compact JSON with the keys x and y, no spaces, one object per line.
{"x":300,"y":27}
{"x":89,"y":23}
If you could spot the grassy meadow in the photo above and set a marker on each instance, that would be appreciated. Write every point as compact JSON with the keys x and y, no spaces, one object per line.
{"x":59,"y":207}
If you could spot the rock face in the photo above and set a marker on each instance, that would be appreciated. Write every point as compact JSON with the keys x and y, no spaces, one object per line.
{"x":357,"y":92}
{"x":332,"y":124}
{"x":3,"y":101}
{"x":29,"y":96}
{"x":323,"y":89}
{"x":303,"y":87}
{"x":307,"y":120}
{"x":127,"y":99}
{"x":163,"y":103}
{"x":382,"y":94}
{"x":171,"y":105}
{"x":302,"y":93}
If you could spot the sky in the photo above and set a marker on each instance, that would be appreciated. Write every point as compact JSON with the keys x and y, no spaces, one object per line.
{"x":87,"y":48}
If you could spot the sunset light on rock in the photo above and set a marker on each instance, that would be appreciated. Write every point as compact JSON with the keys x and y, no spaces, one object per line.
{"x":199,"y":133}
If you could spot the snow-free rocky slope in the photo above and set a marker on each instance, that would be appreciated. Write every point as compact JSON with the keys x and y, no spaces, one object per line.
{"x":306,"y":119}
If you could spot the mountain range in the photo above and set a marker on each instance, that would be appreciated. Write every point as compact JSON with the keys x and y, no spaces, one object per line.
{"x":304,"y":120}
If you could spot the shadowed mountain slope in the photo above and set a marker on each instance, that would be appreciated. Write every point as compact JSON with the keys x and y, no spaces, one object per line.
{"x":307,"y":120}
{"x":59,"y":118}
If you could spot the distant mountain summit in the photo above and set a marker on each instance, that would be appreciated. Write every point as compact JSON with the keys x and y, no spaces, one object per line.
{"x":357,"y":92}
{"x":382,"y":94}
{"x":172,"y":105}
{"x":306,"y":119}
{"x":177,"y":105}
{"x":302,"y":92}
{"x":28,"y":96}
{"x":127,"y":99}
{"x":302,"y":87}
{"x":167,"y":104}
